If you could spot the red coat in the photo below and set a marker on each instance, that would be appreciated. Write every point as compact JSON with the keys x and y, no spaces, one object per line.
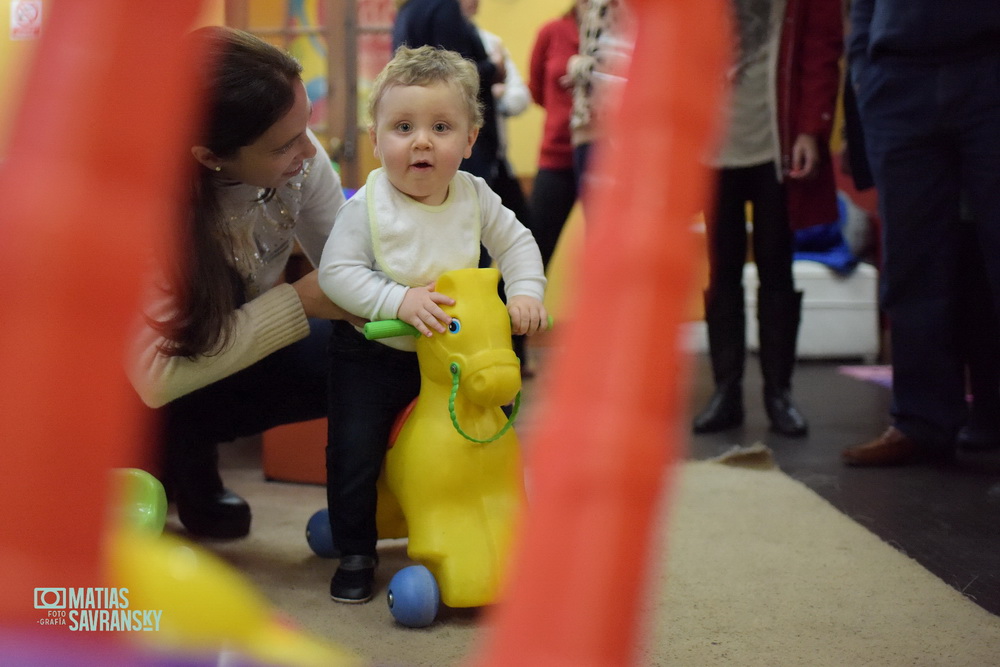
{"x":556,"y":41}
{"x":808,"y":80}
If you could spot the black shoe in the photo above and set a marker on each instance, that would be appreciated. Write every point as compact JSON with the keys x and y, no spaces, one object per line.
{"x":222,"y":515}
{"x":204,"y":505}
{"x":785,"y":417}
{"x":352,"y":582}
{"x":724,"y":411}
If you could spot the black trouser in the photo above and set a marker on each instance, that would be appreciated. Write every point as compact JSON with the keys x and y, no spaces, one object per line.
{"x":778,"y":304}
{"x":772,"y":235}
{"x":370,"y":383}
{"x":287,"y":386}
{"x":932,"y":132}
{"x":553,"y":196}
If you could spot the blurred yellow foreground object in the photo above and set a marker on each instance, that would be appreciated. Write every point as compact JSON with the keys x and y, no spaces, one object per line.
{"x":206,"y":606}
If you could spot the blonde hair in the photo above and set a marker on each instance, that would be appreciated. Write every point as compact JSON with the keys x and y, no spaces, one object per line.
{"x":425,"y":66}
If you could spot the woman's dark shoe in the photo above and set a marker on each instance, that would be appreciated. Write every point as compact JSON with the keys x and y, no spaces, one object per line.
{"x":784,"y":416}
{"x":724,"y":411}
{"x":221,"y":515}
{"x":353,"y":581}
{"x":204,"y":505}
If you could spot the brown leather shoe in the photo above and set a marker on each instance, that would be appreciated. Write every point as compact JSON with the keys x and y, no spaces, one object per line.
{"x":892,"y":448}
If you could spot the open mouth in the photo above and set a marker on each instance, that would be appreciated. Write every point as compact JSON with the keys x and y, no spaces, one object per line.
{"x":421,"y":165}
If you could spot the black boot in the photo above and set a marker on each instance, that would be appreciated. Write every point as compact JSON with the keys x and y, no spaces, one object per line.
{"x":204,"y":506}
{"x":726,"y":320}
{"x":778,"y":316}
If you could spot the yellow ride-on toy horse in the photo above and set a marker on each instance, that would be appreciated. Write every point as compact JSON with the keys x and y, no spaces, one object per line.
{"x":453,"y":479}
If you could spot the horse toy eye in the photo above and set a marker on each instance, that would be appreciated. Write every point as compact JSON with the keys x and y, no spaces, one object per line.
{"x":455,"y":326}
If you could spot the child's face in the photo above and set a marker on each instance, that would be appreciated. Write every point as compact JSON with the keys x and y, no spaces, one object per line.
{"x":421,"y":135}
{"x":277,"y":155}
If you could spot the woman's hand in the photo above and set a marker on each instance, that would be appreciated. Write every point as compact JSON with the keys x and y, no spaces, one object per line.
{"x":501,"y":69}
{"x":568,"y":80}
{"x":805,"y":157}
{"x":527,"y":315}
{"x":317,"y":304}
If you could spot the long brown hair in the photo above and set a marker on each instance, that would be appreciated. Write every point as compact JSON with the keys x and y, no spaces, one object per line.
{"x":247,"y":86}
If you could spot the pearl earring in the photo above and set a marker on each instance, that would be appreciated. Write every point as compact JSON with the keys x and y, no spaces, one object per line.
{"x":218,"y":168}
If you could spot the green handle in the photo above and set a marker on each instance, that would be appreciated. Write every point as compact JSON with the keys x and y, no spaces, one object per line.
{"x":390,"y":329}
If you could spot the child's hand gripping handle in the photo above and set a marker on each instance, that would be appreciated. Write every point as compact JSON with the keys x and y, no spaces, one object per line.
{"x":392,"y":328}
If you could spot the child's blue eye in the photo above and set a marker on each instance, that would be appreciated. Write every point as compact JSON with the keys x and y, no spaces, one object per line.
{"x":455,"y":326}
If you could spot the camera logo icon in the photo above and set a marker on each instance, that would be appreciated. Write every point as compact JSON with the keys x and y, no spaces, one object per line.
{"x":50,"y":598}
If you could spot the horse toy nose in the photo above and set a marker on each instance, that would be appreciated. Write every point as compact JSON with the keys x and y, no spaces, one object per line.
{"x":491,"y":377}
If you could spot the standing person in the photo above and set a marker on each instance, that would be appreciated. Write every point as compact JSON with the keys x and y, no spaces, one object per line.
{"x":511,"y":98}
{"x":775,"y":155}
{"x":926,"y":75}
{"x":556,"y":185}
{"x":416,"y":217}
{"x":441,"y":23}
{"x":605,"y":48}
{"x":224,"y":350}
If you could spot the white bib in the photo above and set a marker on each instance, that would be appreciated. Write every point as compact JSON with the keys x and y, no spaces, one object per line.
{"x":415,"y":243}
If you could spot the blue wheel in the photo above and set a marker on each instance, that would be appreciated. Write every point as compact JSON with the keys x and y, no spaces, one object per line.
{"x":414,"y":596}
{"x":318,"y":535}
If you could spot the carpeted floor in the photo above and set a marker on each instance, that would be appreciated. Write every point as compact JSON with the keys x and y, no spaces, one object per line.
{"x":755,"y":569}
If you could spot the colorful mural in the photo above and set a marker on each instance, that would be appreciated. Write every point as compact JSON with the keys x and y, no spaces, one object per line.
{"x":311,"y":50}
{"x":374,"y":48}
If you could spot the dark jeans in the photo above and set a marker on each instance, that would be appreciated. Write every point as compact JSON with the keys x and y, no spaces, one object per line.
{"x":932,"y":132}
{"x":727,"y":231}
{"x":370,"y":383}
{"x":287,"y":386}
{"x":553,"y":196}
